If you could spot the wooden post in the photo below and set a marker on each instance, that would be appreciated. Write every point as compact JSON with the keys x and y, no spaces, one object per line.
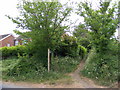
{"x":48,"y":59}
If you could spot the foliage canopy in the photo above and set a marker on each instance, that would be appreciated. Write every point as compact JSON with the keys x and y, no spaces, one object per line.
{"x":101,"y":22}
{"x":44,"y":22}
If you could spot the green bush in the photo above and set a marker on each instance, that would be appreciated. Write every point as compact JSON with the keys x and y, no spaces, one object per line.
{"x":85,"y":42}
{"x":103,"y":67}
{"x":67,"y":50}
{"x":68,"y":46}
{"x":72,"y":51}
{"x":82,"y":51}
{"x":5,"y":52}
{"x":27,"y":69}
{"x":12,"y":51}
{"x":64,"y":64}
{"x":25,"y":66}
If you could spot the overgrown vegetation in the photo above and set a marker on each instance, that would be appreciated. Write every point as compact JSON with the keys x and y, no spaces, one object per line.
{"x":25,"y":69}
{"x":65,"y":64}
{"x":83,"y":36}
{"x":103,"y":67}
{"x":70,"y":47}
{"x":43,"y":20}
{"x":102,"y":61}
{"x":93,"y":39}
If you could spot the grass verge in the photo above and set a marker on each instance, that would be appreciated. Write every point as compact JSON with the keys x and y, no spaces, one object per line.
{"x":30,"y":70}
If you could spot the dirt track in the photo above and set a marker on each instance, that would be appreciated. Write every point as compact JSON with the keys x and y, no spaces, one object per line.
{"x":81,"y":81}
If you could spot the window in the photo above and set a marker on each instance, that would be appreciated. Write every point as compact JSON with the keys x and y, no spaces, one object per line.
{"x":16,"y":43}
{"x":8,"y":45}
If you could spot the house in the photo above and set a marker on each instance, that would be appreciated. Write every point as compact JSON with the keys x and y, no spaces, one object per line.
{"x":7,"y":40}
{"x":18,"y":41}
{"x":21,"y":41}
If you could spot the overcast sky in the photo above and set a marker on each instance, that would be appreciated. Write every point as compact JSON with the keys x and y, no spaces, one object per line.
{"x":8,"y":7}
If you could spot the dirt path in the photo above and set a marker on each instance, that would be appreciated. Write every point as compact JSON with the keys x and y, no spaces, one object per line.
{"x":77,"y":82}
{"x":82,"y":81}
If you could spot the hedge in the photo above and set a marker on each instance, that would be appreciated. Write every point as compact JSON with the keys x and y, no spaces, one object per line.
{"x":71,"y":50}
{"x":12,"y":51}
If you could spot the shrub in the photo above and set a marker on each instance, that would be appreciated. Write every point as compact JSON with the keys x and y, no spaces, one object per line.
{"x":64,"y":64}
{"x":71,"y":50}
{"x":5,"y":52}
{"x":12,"y":51}
{"x":67,"y":50}
{"x":82,"y":51}
{"x":27,"y":69}
{"x":86,"y":43}
{"x":68,"y":46}
{"x":103,"y":67}
{"x":25,"y":66}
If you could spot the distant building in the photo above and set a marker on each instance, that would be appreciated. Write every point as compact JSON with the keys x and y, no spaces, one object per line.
{"x":20,"y":41}
{"x":9,"y":40}
{"x":6,"y":40}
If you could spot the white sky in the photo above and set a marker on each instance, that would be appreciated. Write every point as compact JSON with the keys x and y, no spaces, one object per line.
{"x":8,"y":7}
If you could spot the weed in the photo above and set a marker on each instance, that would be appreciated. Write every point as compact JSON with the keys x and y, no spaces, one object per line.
{"x":31,"y":70}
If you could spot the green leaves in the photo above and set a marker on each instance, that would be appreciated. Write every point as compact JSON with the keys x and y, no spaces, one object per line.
{"x":101,"y":22}
{"x":44,"y":22}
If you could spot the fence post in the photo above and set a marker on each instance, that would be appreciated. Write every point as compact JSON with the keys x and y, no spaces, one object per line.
{"x":48,"y":59}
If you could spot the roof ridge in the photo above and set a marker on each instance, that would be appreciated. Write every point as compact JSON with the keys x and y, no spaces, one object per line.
{"x":2,"y":37}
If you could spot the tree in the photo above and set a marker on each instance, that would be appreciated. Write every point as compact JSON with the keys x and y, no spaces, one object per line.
{"x":101,"y":22}
{"x":44,"y":22}
{"x":81,"y":31}
{"x":83,"y":35}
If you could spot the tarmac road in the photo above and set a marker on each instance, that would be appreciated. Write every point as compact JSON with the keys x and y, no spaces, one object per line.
{"x":10,"y":86}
